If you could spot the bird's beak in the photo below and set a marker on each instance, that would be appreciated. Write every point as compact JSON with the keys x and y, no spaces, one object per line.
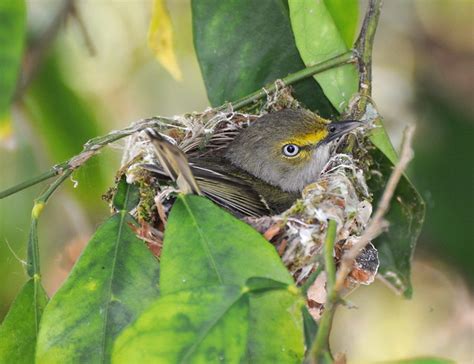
{"x":339,"y":128}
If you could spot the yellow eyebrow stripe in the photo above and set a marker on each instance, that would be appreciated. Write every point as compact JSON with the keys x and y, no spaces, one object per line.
{"x":309,"y":138}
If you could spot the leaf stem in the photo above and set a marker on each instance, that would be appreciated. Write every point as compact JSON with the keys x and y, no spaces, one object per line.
{"x":320,"y":347}
{"x":33,"y":260}
{"x":31,"y":182}
{"x":339,"y":60}
{"x":91,"y":148}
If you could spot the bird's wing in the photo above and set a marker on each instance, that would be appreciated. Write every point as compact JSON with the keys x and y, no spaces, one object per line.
{"x":174,"y":162}
{"x":206,"y":175}
{"x":225,"y":190}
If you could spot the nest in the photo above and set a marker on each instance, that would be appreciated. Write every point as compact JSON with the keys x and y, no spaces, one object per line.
{"x":298,"y":234}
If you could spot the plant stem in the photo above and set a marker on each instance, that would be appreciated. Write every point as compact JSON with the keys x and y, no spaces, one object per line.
{"x":377,"y":223}
{"x":363,"y":47}
{"x":33,"y":260}
{"x":336,"y":61}
{"x":321,"y":341}
{"x":91,"y":148}
{"x":31,"y":182}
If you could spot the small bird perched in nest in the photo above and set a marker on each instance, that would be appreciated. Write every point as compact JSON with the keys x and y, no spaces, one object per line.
{"x":263,"y":170}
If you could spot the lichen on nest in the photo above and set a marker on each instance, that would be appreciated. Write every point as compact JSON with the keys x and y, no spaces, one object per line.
{"x":298,"y":234}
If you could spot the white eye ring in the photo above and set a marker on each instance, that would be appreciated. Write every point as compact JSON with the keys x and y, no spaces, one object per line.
{"x":290,"y":150}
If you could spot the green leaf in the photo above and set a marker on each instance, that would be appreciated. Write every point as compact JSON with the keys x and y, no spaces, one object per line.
{"x":345,"y":15}
{"x":406,"y":215}
{"x":321,"y":34}
{"x":19,"y":329}
{"x":205,"y":245}
{"x":379,"y":137}
{"x":242,"y":45}
{"x":114,"y":280}
{"x":12,"y":38}
{"x":276,"y":333}
{"x":215,"y":324}
{"x":127,"y":195}
{"x":259,"y":284}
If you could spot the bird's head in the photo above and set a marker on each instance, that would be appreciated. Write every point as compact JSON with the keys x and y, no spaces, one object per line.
{"x":288,"y":148}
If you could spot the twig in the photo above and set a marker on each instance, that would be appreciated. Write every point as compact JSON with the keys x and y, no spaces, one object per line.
{"x":377,"y":223}
{"x":364,"y":46}
{"x":35,"y":54}
{"x":342,"y":59}
{"x":320,"y":351}
{"x":91,"y":148}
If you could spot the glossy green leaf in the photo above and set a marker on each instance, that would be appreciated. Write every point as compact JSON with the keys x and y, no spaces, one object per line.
{"x":276,"y":333}
{"x":18,"y":332}
{"x":115,"y":279}
{"x":379,"y":137}
{"x":345,"y":15}
{"x":64,"y":121}
{"x":205,"y":245}
{"x":127,"y":195}
{"x":406,"y":215}
{"x":319,"y":36}
{"x":12,"y":38}
{"x":242,"y":45}
{"x":215,"y":324}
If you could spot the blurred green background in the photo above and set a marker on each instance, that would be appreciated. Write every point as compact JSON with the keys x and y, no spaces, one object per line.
{"x":97,"y":74}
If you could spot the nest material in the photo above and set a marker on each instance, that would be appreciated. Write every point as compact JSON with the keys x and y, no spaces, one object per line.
{"x":298,"y":234}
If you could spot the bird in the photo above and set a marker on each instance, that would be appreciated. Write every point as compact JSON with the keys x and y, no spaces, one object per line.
{"x":263,"y":170}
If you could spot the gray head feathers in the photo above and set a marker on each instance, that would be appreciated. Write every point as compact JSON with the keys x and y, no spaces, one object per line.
{"x":258,"y":149}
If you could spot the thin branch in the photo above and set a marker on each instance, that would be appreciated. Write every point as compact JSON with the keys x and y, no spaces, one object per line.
{"x":364,"y":45}
{"x":31,"y":182}
{"x":340,"y":60}
{"x":91,"y":148}
{"x":377,"y":223}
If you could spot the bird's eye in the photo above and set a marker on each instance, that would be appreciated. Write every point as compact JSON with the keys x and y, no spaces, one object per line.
{"x":332,"y":129}
{"x":290,"y":150}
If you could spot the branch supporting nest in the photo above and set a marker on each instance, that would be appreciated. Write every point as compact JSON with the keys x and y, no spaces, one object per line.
{"x":377,"y":224}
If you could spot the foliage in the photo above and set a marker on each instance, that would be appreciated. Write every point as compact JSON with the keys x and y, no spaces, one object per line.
{"x":265,"y":46}
{"x":220,"y":291}
{"x":335,"y":27}
{"x":114,"y":280}
{"x":223,"y":288}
